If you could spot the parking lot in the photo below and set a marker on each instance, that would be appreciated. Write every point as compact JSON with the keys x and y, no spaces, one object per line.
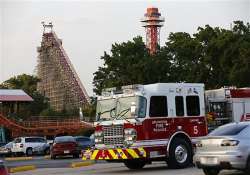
{"x":63,"y":167}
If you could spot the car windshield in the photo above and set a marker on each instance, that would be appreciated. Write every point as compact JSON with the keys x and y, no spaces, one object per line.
{"x":18,"y":140}
{"x":120,"y":108}
{"x":228,"y":130}
{"x":64,"y":139}
{"x":8,"y":145}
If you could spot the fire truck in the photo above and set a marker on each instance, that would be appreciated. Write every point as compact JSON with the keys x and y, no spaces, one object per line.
{"x":139,"y":124}
{"x":227,"y":104}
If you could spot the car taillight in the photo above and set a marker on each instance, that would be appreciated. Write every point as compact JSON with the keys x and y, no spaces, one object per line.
{"x":21,"y":145}
{"x":230,"y":142}
{"x":54,"y":145}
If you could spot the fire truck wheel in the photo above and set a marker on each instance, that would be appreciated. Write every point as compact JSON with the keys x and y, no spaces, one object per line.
{"x":134,"y":164}
{"x":180,"y":154}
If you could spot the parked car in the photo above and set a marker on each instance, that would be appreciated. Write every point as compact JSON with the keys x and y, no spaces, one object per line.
{"x":227,"y":147}
{"x":5,"y":150}
{"x":29,"y":145}
{"x":3,"y":169}
{"x":42,"y":149}
{"x":84,"y":142}
{"x":64,"y":145}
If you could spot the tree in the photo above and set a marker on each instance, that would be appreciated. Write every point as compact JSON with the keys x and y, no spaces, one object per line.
{"x":214,"y":56}
{"x":28,"y":83}
{"x":90,"y":109}
{"x":130,"y":63}
{"x":240,"y":69}
{"x":123,"y":66}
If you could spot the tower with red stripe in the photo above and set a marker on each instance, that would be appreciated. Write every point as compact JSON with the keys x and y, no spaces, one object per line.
{"x":152,"y":21}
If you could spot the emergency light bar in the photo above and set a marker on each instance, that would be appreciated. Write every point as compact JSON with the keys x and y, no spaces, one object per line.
{"x":130,"y":89}
{"x":133,"y":86}
{"x":108,"y":91}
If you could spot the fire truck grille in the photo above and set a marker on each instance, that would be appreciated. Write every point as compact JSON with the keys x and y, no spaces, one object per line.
{"x":113,"y":135}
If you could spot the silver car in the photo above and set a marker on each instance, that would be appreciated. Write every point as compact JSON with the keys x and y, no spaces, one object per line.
{"x":227,"y":147}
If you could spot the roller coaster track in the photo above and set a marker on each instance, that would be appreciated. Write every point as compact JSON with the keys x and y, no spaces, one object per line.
{"x":44,"y":127}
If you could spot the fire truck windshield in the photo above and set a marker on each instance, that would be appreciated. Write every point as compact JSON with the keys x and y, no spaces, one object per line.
{"x":119,"y":108}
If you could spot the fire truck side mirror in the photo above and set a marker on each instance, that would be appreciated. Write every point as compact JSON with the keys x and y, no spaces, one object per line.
{"x":133,"y":109}
{"x":98,"y":116}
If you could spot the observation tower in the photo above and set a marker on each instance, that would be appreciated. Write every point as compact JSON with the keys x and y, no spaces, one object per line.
{"x":152,"y":21}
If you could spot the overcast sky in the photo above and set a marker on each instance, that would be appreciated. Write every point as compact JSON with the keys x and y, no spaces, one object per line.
{"x":88,"y":28}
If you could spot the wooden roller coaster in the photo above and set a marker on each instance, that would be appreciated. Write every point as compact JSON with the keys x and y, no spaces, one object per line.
{"x":43,"y":127}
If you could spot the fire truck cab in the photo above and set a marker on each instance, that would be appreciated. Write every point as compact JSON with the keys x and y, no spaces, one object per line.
{"x":139,"y":124}
{"x":227,"y":104}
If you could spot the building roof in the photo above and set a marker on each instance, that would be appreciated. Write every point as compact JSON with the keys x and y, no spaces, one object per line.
{"x":14,"y":95}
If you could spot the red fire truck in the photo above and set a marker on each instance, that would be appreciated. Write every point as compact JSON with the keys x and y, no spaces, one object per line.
{"x":143,"y":123}
{"x":227,"y":104}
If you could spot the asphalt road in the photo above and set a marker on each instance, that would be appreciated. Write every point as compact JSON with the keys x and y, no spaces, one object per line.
{"x":159,"y":168}
{"x":41,"y":162}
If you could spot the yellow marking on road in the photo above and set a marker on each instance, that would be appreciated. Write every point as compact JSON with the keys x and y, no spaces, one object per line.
{"x":22,"y":168}
{"x":81,"y":164}
{"x":47,"y":157}
{"x":17,"y":158}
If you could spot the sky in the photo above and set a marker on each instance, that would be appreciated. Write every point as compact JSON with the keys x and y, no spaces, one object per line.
{"x":88,"y":28}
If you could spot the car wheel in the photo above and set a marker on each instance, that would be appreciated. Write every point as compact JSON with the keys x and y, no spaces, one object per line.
{"x":134,"y":164}
{"x":76,"y":156}
{"x":211,"y":171}
{"x":53,"y":157}
{"x":29,"y":152}
{"x":180,"y":154}
{"x":47,"y":151}
{"x":247,"y":170}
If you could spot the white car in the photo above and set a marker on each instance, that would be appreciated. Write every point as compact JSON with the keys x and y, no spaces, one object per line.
{"x":227,"y":147}
{"x":28,"y":145}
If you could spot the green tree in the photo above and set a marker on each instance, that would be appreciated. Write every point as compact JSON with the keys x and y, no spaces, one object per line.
{"x":130,"y":63}
{"x":240,"y":69}
{"x":28,"y":83}
{"x":90,"y":110}
{"x":214,"y":56}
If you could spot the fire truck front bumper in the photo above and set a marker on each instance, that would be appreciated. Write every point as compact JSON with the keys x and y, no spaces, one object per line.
{"x":114,"y":154}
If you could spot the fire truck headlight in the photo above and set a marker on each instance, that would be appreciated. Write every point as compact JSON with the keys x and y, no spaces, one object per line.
{"x":98,"y":140}
{"x":130,"y":136}
{"x":98,"y":137}
{"x":130,"y":131}
{"x":98,"y":134}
